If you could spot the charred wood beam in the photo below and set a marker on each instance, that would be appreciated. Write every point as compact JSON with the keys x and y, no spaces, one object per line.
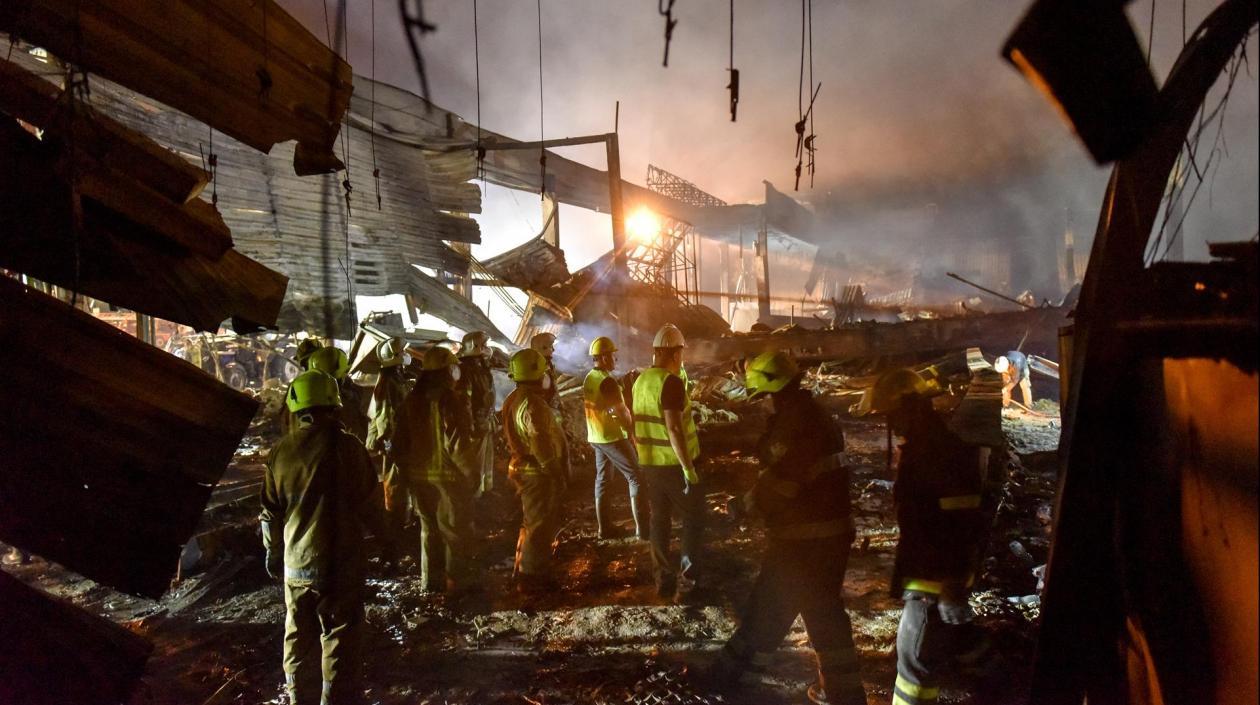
{"x":245,"y":67}
{"x":111,"y":446}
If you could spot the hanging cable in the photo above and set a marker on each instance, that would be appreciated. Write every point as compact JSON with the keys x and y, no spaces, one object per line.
{"x":805,"y":111}
{"x":542,"y":133}
{"x":733,"y":86}
{"x":415,"y":27}
{"x":481,"y":150}
{"x":800,"y":106}
{"x":214,"y":172}
{"x":376,"y":169}
{"x":666,"y":10}
{"x":810,"y":140}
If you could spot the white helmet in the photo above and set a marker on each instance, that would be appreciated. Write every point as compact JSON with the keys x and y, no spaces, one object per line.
{"x":669,"y":337}
{"x":392,"y":352}
{"x":1001,"y":364}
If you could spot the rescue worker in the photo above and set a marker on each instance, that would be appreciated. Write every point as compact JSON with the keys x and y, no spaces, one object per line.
{"x":545,"y":344}
{"x":610,"y":431}
{"x":802,"y":495}
{"x":305,"y":348}
{"x":428,"y":421}
{"x":668,"y":446}
{"x":334,"y":363}
{"x":391,"y":388}
{"x":1015,"y":371}
{"x":475,"y":449}
{"x":938,"y":497}
{"x":316,"y":499}
{"x":538,"y":467}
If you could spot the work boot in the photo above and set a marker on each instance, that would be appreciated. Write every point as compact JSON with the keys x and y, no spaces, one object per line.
{"x":638,"y":509}
{"x":839,"y":679}
{"x":603,"y":520}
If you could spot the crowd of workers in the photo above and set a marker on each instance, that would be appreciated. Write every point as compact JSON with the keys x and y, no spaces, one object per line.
{"x":425,"y":451}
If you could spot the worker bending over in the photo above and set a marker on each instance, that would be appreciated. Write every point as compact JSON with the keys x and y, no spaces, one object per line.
{"x":316,"y":499}
{"x":611,"y":434}
{"x":334,"y":363}
{"x":802,"y":495}
{"x":938,"y":497}
{"x":539,"y":467}
{"x":668,"y":446}
{"x":391,"y":388}
{"x":474,"y":451}
{"x":1015,"y":370}
{"x":430,"y":418}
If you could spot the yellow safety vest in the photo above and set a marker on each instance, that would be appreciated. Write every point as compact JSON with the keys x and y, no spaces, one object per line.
{"x":649,"y":421}
{"x":601,"y":426}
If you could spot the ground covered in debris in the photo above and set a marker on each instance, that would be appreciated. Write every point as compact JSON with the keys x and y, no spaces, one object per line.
{"x":604,"y":637}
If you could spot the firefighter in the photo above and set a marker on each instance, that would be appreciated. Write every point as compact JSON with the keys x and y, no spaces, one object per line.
{"x":1015,"y":371}
{"x":938,"y":496}
{"x":305,"y":348}
{"x":610,"y":432}
{"x":802,"y":495}
{"x":668,"y":446}
{"x":428,"y":421}
{"x":538,"y":467}
{"x":334,"y":363}
{"x":475,"y":450}
{"x":391,"y":388}
{"x":545,"y":344}
{"x":316,"y":500}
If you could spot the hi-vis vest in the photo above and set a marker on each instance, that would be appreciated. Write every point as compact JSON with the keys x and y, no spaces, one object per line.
{"x":601,"y":426}
{"x":649,"y":421}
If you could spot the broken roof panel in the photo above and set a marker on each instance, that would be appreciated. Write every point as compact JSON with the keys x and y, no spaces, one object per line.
{"x":536,"y":264}
{"x":246,"y":67}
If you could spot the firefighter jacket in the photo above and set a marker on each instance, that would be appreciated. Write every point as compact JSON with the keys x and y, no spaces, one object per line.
{"x":534,"y":438}
{"x":477,"y":383}
{"x":803,"y":489}
{"x":316,"y":499}
{"x":601,"y":425}
{"x":651,"y":434}
{"x":353,"y":415}
{"x":387,"y":396}
{"x":938,"y":495}
{"x":428,"y":422}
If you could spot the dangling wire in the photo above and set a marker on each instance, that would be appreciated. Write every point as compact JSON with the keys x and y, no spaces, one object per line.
{"x":542,"y":133}
{"x":214,"y":172}
{"x":805,"y":111}
{"x":415,"y":27}
{"x":666,"y":10}
{"x":733,"y":86}
{"x":481,"y":151}
{"x":810,"y":140}
{"x":376,"y":170}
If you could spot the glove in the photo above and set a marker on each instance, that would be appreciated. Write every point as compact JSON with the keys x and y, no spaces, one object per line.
{"x":955,"y":612}
{"x":690,"y":480}
{"x":273,"y":561}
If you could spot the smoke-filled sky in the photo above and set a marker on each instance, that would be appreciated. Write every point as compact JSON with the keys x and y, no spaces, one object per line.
{"x":917,"y":109}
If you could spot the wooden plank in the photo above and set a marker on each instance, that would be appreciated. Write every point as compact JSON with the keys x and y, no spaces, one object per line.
{"x":111,"y":446}
{"x":245,"y":67}
{"x":52,"y":653}
{"x":28,"y":97}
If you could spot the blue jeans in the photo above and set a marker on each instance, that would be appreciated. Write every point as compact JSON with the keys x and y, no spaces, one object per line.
{"x":620,"y":456}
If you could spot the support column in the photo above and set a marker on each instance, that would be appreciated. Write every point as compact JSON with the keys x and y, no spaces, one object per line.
{"x":617,"y":211}
{"x":550,"y":212}
{"x":762,"y":251}
{"x":724,"y":285}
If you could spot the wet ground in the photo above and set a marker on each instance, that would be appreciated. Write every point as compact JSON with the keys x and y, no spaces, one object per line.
{"x":603,"y":636}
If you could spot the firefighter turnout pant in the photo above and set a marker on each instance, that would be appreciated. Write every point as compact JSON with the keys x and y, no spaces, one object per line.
{"x":541,"y":501}
{"x":801,"y":577}
{"x":397,"y":510}
{"x":323,"y":624}
{"x":446,"y":535}
{"x":666,"y":495}
{"x":925,"y":646}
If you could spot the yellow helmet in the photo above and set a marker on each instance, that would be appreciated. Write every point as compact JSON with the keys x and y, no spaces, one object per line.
{"x":305,"y":348}
{"x":312,"y":389}
{"x":438,"y":358}
{"x":331,"y":361}
{"x":669,"y":337}
{"x":889,"y":391}
{"x":527,"y":365}
{"x":769,"y":372}
{"x":392,"y":352}
{"x":603,"y":345}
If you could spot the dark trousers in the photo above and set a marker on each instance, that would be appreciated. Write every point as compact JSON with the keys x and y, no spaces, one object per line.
{"x":924,"y":646}
{"x":804,"y":578}
{"x":665,"y":489}
{"x":326,"y":623}
{"x":542,"y":499}
{"x":619,"y":457}
{"x":445,"y":511}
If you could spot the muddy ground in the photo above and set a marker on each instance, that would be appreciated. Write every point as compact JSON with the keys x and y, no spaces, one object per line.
{"x":604,"y":636}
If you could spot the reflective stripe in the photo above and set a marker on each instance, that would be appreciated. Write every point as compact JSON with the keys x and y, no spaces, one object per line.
{"x":651,"y":432}
{"x":966,"y":501}
{"x":655,"y":442}
{"x":913,"y":693}
{"x":933,"y":587}
{"x":816,"y":530}
{"x":649,"y":419}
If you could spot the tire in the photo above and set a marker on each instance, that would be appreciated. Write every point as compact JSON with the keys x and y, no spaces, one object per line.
{"x":235,"y":377}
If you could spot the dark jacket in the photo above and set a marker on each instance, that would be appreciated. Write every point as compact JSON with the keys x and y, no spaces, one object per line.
{"x":476,"y":381}
{"x":803,"y":489}
{"x":428,"y":421}
{"x":939,"y":511}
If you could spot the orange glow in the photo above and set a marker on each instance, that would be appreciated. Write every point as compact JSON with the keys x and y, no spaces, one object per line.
{"x":643,"y":225}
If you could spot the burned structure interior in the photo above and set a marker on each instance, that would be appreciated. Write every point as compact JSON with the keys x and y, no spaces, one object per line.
{"x":349,"y":360}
